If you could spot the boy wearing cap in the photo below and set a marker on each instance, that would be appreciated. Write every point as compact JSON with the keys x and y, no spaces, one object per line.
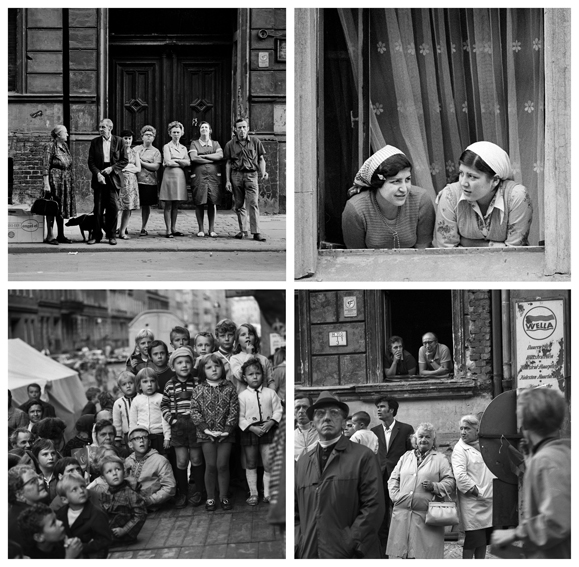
{"x":175,"y":407}
{"x":339,"y":493}
{"x":150,"y":470}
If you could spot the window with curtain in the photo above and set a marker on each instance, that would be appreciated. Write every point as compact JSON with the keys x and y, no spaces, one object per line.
{"x":441,"y":79}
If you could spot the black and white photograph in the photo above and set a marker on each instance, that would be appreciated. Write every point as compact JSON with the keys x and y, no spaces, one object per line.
{"x":432,"y":424}
{"x":441,"y":148}
{"x":147,"y":143}
{"x":387,"y":186}
{"x":146,"y":424}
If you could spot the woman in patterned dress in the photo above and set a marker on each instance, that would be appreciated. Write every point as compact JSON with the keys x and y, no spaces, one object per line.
{"x":58,"y":182}
{"x":174,"y":186}
{"x":129,"y":194}
{"x":205,"y":177}
{"x":147,"y":178}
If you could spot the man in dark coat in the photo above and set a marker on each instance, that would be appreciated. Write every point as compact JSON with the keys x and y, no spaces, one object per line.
{"x":338,"y":489}
{"x":106,"y":159}
{"x":394,"y":441}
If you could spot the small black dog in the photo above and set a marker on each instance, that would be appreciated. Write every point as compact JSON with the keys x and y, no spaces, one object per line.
{"x":85,"y":223}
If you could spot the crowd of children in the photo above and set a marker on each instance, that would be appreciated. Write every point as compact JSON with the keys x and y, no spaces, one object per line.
{"x":188,"y":417}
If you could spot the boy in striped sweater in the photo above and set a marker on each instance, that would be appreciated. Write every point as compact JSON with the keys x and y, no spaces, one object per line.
{"x":176,"y":406}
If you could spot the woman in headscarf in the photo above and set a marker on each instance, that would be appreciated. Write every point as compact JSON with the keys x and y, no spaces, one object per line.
{"x":58,"y":182}
{"x":384,"y":209}
{"x":474,"y":482}
{"x":151,"y":160}
{"x":485,"y":207}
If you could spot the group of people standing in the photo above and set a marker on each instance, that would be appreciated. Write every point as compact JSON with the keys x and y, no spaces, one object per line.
{"x":126,"y":178}
{"x":367,"y":495}
{"x":484,"y":208}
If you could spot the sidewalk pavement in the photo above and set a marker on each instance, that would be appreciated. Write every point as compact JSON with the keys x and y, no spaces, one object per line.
{"x":193,"y":533}
{"x":273,"y":228}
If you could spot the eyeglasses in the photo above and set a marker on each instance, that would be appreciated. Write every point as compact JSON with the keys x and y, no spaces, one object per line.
{"x":35,"y":478}
{"x":321,"y":413}
{"x":139,"y":438}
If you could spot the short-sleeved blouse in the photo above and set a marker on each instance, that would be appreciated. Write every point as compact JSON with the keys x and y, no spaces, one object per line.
{"x":365,"y":226}
{"x":149,"y":155}
{"x":506,"y":223}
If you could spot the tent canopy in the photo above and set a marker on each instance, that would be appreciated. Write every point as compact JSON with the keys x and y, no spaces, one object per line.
{"x":60,"y":385}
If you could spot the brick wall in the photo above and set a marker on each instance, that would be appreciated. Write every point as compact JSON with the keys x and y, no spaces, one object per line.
{"x":478,"y":342}
{"x":26,"y":150}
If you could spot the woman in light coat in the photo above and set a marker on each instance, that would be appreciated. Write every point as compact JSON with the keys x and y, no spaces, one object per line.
{"x":418,"y":476}
{"x":474,"y":482}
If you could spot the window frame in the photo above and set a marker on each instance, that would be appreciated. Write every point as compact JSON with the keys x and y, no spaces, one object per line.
{"x":553,"y":262}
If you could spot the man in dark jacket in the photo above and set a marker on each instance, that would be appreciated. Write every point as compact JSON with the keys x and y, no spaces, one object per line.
{"x":394,"y":441}
{"x":106,"y":160}
{"x":338,"y":489}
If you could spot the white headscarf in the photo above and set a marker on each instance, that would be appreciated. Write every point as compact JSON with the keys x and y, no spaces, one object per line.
{"x":495,"y":157}
{"x":364,"y":175}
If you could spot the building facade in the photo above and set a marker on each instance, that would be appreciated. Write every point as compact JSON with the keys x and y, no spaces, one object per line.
{"x":341,"y":339}
{"x":68,"y":320}
{"x":151,"y":66}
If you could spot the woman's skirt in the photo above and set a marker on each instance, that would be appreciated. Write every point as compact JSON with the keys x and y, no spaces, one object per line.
{"x":173,"y":186}
{"x":129,"y":193}
{"x":147,"y":195}
{"x":60,"y":181}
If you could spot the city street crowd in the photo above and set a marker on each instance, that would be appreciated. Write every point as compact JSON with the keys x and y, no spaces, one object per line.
{"x":182,"y":424}
{"x":388,"y":492}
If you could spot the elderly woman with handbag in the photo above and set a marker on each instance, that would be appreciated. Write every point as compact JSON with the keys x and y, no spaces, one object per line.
{"x":58,"y":184}
{"x":419,"y":476}
{"x":474,"y":482}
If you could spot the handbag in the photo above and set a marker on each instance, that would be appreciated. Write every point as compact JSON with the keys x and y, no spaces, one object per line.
{"x":442,"y":513}
{"x":45,"y":207}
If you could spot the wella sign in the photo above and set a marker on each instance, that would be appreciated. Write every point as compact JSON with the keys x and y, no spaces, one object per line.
{"x":540,"y":343}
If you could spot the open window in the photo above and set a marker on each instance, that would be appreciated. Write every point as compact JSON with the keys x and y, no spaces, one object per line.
{"x":430,"y":82}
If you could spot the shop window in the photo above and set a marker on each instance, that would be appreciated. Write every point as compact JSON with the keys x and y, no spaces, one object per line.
{"x":430,"y":82}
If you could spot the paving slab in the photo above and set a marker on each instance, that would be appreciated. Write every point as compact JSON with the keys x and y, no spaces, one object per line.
{"x":194,"y":533}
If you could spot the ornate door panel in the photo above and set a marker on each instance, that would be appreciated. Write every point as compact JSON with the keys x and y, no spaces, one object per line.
{"x":204,"y":88}
{"x":172,"y":86}
{"x":137,"y":96}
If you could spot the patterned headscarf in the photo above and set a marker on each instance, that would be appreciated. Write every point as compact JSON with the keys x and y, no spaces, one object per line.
{"x":495,"y":157}
{"x":364,"y":176}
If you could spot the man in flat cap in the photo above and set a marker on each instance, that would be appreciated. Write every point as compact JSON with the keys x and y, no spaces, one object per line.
{"x":338,"y":490}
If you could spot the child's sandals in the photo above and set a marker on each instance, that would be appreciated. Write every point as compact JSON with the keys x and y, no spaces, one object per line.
{"x":200,"y":234}
{"x":210,"y":505}
{"x":226,"y":504}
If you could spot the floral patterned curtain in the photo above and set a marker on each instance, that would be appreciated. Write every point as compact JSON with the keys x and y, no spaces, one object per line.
{"x":444,"y":78}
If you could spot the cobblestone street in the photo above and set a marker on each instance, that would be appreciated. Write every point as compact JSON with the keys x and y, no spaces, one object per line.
{"x":193,"y":533}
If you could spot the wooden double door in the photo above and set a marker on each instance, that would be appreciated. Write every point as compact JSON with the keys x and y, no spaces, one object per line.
{"x":157,"y":84}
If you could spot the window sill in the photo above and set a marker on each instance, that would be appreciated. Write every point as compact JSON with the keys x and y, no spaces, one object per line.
{"x":402,"y":388}
{"x":435,"y":264}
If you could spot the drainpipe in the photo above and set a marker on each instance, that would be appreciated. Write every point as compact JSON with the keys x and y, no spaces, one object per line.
{"x":506,"y":328}
{"x":497,"y":339}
